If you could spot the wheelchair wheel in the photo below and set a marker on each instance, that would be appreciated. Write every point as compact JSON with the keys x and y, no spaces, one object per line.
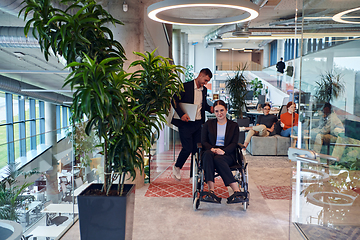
{"x":196,"y":200}
{"x":195,"y":174}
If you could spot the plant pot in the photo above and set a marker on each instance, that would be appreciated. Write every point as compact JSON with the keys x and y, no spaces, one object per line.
{"x":106,"y":217}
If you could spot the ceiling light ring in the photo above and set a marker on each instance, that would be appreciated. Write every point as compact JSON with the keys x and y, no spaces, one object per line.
{"x":338,"y":17}
{"x":155,"y":11}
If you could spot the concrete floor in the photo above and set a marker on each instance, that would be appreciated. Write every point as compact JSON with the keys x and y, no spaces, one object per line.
{"x":174,"y":218}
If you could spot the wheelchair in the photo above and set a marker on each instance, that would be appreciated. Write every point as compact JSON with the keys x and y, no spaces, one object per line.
{"x":240,"y":173}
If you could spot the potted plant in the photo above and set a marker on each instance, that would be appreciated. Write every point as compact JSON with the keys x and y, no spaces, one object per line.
{"x":329,"y":87}
{"x":237,"y":87}
{"x":124,"y":109}
{"x":10,"y":193}
{"x":256,"y":86}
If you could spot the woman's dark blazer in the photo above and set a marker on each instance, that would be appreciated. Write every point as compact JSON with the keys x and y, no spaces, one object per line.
{"x":209,"y":133}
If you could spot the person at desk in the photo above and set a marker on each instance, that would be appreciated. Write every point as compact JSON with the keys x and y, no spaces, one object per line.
{"x":265,"y":126}
{"x":289,"y":120}
{"x":219,"y":138}
{"x":329,"y":131}
{"x":190,"y":131}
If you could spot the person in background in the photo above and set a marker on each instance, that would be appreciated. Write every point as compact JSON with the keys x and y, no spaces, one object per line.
{"x":190,"y":131}
{"x":289,"y":120}
{"x":265,"y":125}
{"x":330,"y":130}
{"x":219,"y":139}
{"x":280,"y":66}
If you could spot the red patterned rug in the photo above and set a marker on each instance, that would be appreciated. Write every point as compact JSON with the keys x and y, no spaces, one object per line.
{"x":275,"y":192}
{"x":166,"y":186}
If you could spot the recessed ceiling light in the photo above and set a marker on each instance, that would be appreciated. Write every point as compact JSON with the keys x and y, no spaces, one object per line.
{"x":339,"y":17}
{"x":247,"y":50}
{"x":157,"y":11}
{"x":237,"y":49}
{"x":224,"y":50}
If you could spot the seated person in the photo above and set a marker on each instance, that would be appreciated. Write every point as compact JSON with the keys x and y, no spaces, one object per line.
{"x":219,"y":139}
{"x":265,"y":125}
{"x":289,"y":120}
{"x":328,"y":131}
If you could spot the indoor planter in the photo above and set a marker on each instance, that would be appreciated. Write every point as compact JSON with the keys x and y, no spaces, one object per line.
{"x":237,"y":88}
{"x":124,"y":109}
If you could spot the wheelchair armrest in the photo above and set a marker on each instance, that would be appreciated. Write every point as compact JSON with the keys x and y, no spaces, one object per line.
{"x":199,"y":145}
{"x":241,"y":146}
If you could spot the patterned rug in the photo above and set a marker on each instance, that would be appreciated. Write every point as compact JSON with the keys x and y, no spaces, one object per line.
{"x":166,"y":186}
{"x":275,"y":192}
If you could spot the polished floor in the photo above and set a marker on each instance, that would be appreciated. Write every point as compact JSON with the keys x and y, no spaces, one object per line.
{"x":172,"y":217}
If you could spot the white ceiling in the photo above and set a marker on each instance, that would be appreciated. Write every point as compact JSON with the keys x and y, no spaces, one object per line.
{"x":275,"y":16}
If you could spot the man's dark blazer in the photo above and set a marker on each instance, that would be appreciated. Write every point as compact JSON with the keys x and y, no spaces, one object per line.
{"x":209,"y":134}
{"x":188,"y":97}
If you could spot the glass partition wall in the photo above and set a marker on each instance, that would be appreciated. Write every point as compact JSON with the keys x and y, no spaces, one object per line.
{"x":326,"y":174}
{"x":43,"y":170}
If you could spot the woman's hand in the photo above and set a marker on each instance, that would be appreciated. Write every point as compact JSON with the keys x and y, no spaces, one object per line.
{"x":217,"y":151}
{"x":282,"y":124}
{"x":271,"y":129}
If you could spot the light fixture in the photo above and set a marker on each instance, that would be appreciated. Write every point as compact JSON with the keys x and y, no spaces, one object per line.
{"x":247,"y":50}
{"x":125,"y":7}
{"x":164,"y":11}
{"x":339,"y":17}
{"x":224,"y":50}
{"x":237,"y":49}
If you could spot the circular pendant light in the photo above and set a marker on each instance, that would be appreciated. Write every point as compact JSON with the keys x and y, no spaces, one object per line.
{"x":339,"y":17}
{"x":191,"y":12}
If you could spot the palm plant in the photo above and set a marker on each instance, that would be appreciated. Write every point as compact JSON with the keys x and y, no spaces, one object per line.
{"x":123,"y":108}
{"x":10,"y":193}
{"x":236,"y":86}
{"x":329,"y":87}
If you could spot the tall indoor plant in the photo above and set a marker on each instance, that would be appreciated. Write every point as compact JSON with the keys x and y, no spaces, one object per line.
{"x":124,"y":109}
{"x":236,"y":86}
{"x":329,"y":87}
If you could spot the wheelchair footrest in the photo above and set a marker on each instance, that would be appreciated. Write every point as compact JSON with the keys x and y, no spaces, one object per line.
{"x":209,"y":197}
{"x":238,"y":197}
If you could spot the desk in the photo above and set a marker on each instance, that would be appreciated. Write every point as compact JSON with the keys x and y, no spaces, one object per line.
{"x":47,"y":231}
{"x":61,"y":208}
{"x":253,"y":113}
{"x":30,"y":207}
{"x":256,"y":112}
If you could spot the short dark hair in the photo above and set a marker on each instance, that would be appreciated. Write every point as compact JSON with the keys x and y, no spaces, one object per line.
{"x":267,"y":104}
{"x":327,"y":105}
{"x":281,"y":58}
{"x":207,"y":72}
{"x":289,"y":104}
{"x":220,"y":102}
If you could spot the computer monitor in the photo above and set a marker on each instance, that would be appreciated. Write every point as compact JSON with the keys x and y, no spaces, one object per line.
{"x":249,"y":95}
{"x":261,"y":99}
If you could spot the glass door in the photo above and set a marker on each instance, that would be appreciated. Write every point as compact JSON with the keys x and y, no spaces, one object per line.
{"x":326,"y":173}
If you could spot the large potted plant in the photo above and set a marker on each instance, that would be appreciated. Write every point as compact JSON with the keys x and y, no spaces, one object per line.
{"x":329,"y":87}
{"x":237,"y":88}
{"x":124,"y":109}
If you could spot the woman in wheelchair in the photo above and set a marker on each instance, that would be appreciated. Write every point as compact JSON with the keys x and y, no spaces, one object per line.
{"x":219,"y":139}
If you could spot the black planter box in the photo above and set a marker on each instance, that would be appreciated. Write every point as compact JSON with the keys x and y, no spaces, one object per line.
{"x":106,"y":217}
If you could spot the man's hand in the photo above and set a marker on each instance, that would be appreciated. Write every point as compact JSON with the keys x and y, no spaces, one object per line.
{"x":185,"y":117}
